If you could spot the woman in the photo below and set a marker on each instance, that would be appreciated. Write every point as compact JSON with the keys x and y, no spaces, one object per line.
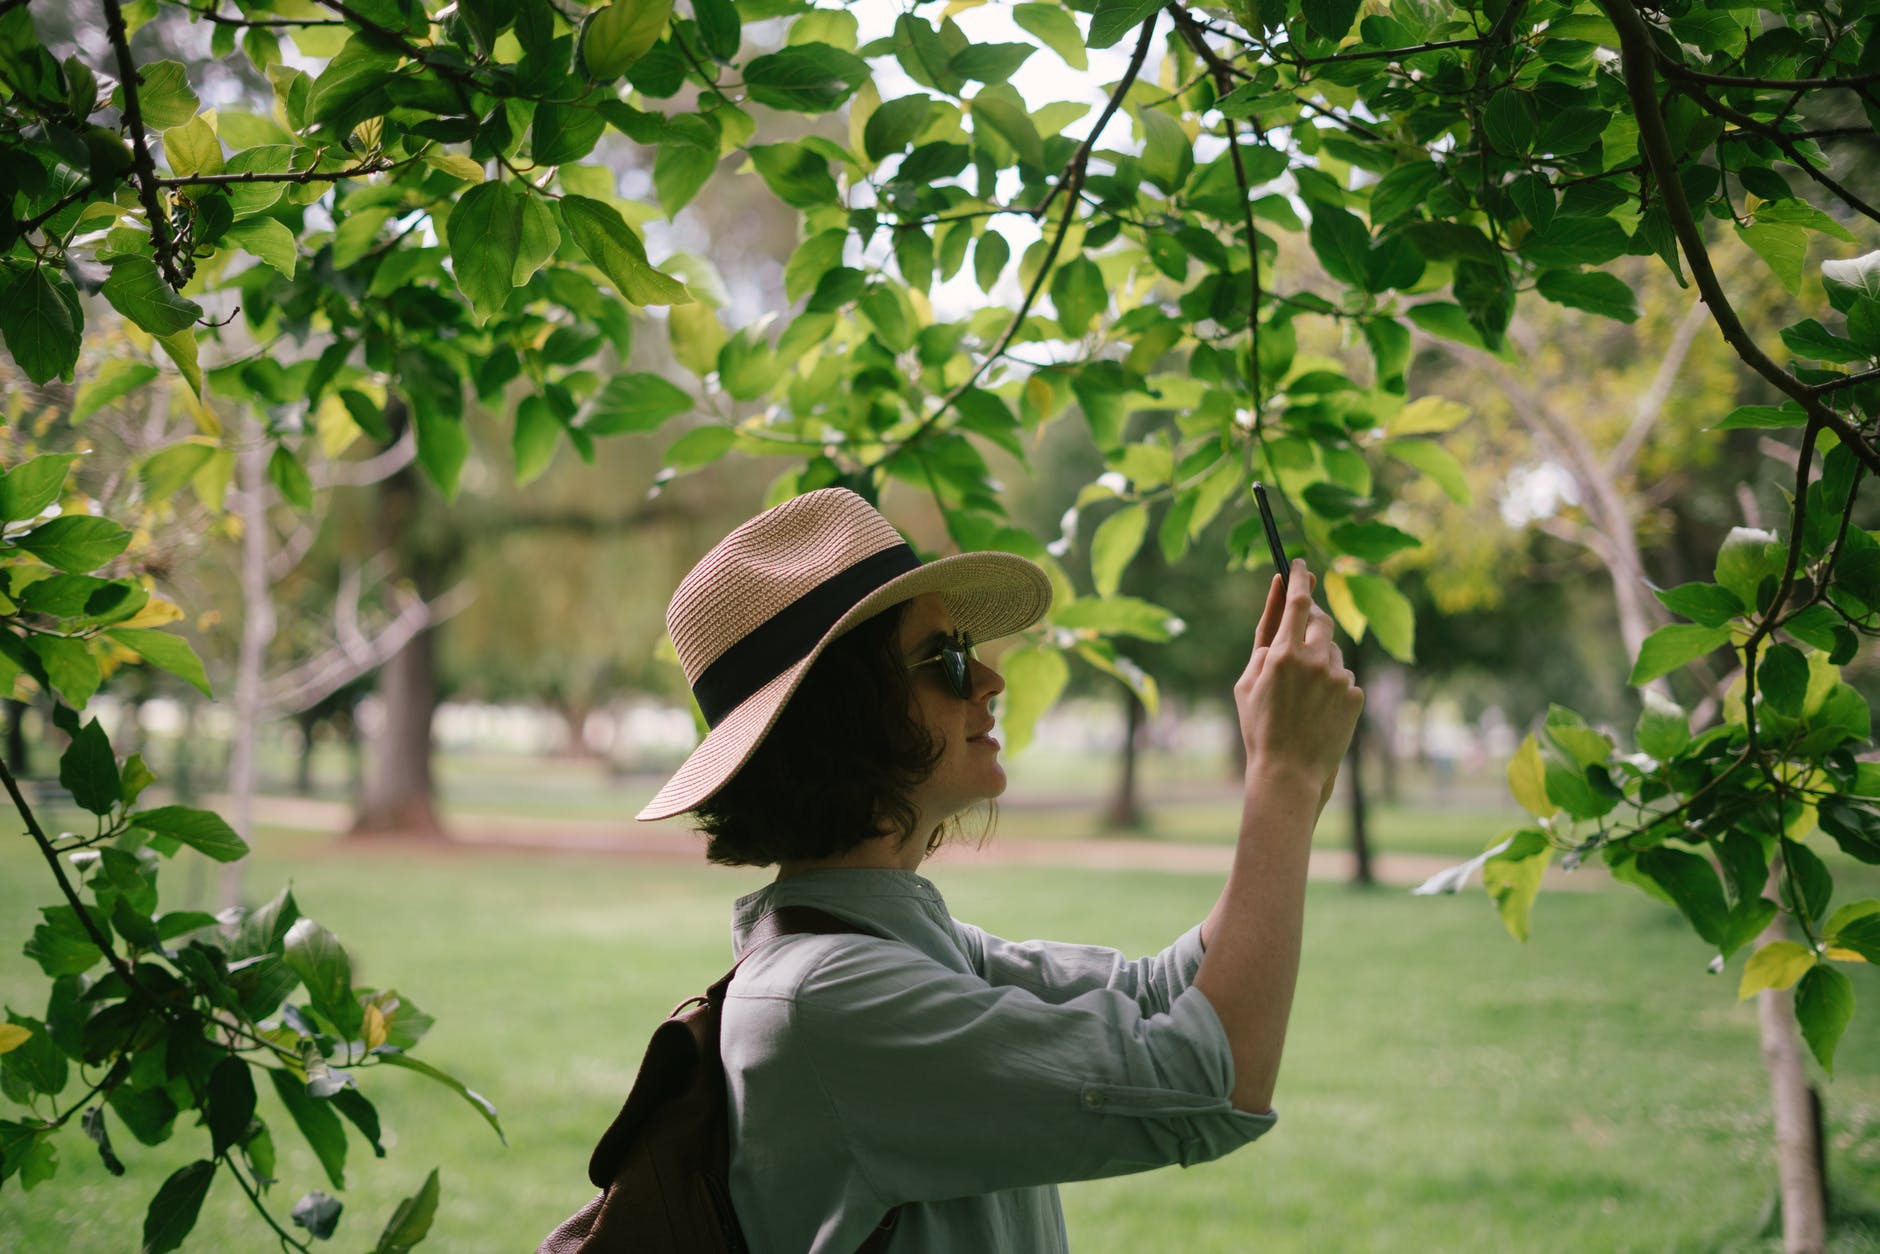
{"x":929,"y":1071}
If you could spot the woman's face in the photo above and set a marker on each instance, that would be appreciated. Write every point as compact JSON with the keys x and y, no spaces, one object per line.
{"x":968,"y":771}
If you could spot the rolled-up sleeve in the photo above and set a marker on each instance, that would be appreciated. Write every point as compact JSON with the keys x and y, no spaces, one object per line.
{"x":1057,"y":972}
{"x":945,"y":1086}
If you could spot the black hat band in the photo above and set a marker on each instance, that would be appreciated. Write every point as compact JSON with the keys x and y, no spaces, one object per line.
{"x":787,"y":636}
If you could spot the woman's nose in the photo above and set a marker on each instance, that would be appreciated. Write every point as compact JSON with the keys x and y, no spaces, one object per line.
{"x":987,"y":683}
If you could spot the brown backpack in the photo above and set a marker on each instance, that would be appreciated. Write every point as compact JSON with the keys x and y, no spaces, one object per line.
{"x":664,"y":1166}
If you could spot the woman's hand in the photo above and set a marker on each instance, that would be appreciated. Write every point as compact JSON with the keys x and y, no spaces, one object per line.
{"x":1298,"y":704}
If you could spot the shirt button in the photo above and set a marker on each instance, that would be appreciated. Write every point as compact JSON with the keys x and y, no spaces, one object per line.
{"x":1093,"y":1100}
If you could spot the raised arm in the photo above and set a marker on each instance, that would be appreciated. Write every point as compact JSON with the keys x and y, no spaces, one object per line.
{"x":1298,"y":706}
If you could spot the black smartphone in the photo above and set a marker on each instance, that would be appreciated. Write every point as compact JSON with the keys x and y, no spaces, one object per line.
{"x":1272,"y":535}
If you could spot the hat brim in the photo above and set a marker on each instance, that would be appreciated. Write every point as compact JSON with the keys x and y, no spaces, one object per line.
{"x":989,"y":595}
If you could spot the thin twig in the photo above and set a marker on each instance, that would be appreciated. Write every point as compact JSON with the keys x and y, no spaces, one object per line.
{"x":303,"y":176}
{"x":1635,"y":51}
{"x":1845,"y":381}
{"x":76,"y":194}
{"x":1190,"y":30}
{"x":162,"y":243}
{"x":220,"y":19}
{"x":1788,"y":146}
{"x":1073,"y":179}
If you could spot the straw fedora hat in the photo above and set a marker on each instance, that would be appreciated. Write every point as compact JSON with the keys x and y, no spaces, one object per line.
{"x":758,"y":610}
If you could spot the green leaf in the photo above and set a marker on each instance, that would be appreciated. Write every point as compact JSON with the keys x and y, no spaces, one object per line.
{"x":1592,"y":290}
{"x":700,"y":447}
{"x":720,"y":27}
{"x":114,"y":380}
{"x":137,"y":291}
{"x":231,"y":1103}
{"x":1510,"y":122}
{"x":1341,"y":241}
{"x":537,"y":435}
{"x":990,"y":256}
{"x":1704,"y":603}
{"x":795,"y":175}
{"x":1080,"y":294}
{"x":162,"y":649}
{"x":173,"y":1210}
{"x":1002,"y":110}
{"x":1663,"y":726}
{"x":485,"y":236}
{"x":1372,"y":541}
{"x":267,"y":239}
{"x":1570,"y":241}
{"x":1857,"y":278}
{"x":317,"y":1123}
{"x":1783,"y":246}
{"x":32,"y":485}
{"x":1513,"y":879}
{"x":1388,"y":611}
{"x":635,"y":402}
{"x":202,"y":830}
{"x":989,"y":62}
{"x":1747,"y":557}
{"x":1435,"y":461}
{"x":615,"y":37}
{"x":893,"y":126}
{"x":1808,"y":338}
{"x":477,"y":1100}
{"x":1115,"y":18}
{"x":1671,"y":647}
{"x":1859,"y":933}
{"x":1115,"y":544}
{"x":614,"y":247}
{"x":805,"y":78}
{"x":1118,"y":616}
{"x":75,"y":542}
{"x":1426,"y":415}
{"x":1056,"y":29}
{"x":1776,"y":965}
{"x":561,"y":134}
{"x":679,"y":171}
{"x":1329,"y":19}
{"x":1782,"y":679}
{"x":411,"y":1222}
{"x":69,"y":665}
{"x":40,"y":317}
{"x":290,"y":478}
{"x":89,"y":771}
{"x":163,"y":95}
{"x":1034,"y":678}
{"x":1824,"y":1002}
{"x":1763,"y":417}
{"x":349,"y":89}
{"x":1692,"y":884}
{"x":316,"y":956}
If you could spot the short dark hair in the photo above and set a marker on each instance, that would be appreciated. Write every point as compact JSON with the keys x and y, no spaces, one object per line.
{"x":838,"y":766}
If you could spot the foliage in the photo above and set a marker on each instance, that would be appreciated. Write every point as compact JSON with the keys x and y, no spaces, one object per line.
{"x":433,"y":204}
{"x":165,"y":1015}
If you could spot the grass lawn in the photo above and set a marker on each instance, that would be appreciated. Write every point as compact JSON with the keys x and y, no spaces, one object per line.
{"x":1444,"y":1089}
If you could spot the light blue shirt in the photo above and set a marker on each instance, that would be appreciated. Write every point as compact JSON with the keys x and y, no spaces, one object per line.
{"x":952,"y":1073}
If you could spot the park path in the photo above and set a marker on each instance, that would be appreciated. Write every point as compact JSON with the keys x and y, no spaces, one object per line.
{"x":671,"y":842}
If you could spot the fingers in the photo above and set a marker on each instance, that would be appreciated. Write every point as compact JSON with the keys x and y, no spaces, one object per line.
{"x":1269,"y":617}
{"x":1298,"y":613}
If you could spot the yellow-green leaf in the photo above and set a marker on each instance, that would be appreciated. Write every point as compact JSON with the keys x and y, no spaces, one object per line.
{"x":1427,"y":415}
{"x":1034,"y":676}
{"x":1779,"y":964}
{"x":1527,"y":779}
{"x":12,"y":1036}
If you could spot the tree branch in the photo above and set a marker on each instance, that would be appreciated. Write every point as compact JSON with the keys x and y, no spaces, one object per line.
{"x":1073,"y":178}
{"x":1790,"y":149}
{"x":1652,"y":403}
{"x":76,"y":194}
{"x":163,"y":244}
{"x":303,"y":176}
{"x":313,"y":681}
{"x":1845,"y":381}
{"x":1223,"y":83}
{"x":220,"y":19}
{"x":1635,"y":51}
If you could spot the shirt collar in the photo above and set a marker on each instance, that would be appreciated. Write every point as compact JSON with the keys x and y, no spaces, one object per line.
{"x":899,"y":905}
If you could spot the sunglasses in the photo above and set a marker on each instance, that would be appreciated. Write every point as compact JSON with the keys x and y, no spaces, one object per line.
{"x":954,"y":657}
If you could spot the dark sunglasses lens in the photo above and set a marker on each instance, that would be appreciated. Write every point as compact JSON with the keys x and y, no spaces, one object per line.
{"x":959,"y":674}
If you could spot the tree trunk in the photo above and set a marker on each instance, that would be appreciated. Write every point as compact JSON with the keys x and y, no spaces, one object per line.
{"x":1800,"y":1173}
{"x":305,"y":722}
{"x":1124,"y":813}
{"x":17,"y":760}
{"x":251,"y":469}
{"x":1354,"y":791}
{"x":398,"y":795}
